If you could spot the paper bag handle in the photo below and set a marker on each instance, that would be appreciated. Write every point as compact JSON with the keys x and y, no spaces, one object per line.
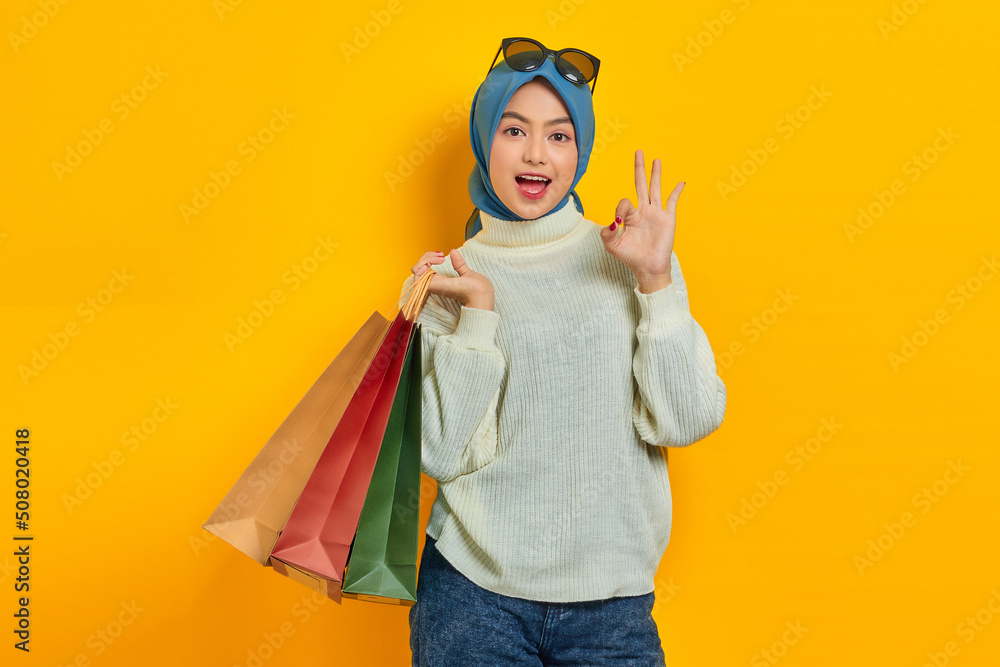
{"x":417,"y":296}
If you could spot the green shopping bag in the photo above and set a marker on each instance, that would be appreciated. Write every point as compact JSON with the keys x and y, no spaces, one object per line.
{"x":382,"y":565}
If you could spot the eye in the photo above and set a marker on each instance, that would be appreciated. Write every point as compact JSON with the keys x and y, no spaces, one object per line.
{"x":512,"y":129}
{"x":560,"y":134}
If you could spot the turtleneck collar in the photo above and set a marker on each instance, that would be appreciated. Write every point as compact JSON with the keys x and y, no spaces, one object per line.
{"x":500,"y":233}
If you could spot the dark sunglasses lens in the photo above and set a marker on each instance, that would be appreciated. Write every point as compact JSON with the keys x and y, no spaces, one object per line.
{"x":524,"y":56}
{"x":577,"y":66}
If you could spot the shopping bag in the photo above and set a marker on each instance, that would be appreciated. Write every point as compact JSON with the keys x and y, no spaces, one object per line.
{"x":314,"y":544}
{"x":251,"y":515}
{"x":382,"y":565}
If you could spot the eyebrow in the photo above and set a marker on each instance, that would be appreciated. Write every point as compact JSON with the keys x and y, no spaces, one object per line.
{"x":554,"y":121}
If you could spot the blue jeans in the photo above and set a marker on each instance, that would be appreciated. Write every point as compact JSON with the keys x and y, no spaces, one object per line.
{"x":456,"y":622}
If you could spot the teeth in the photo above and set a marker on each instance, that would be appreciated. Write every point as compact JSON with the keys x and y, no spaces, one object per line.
{"x":533,"y":178}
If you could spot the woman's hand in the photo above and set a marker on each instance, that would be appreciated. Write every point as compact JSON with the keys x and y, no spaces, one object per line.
{"x":471,"y":289}
{"x":646,"y":239}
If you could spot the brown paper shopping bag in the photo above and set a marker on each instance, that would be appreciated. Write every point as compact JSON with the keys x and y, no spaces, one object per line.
{"x":254,"y":511}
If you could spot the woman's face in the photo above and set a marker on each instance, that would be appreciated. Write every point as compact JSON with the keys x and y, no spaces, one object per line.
{"x":535,"y":137}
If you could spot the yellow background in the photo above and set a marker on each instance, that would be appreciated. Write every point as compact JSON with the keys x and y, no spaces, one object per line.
{"x":724,"y":596}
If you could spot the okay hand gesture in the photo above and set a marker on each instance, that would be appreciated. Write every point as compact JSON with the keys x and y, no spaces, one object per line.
{"x":646,"y":239}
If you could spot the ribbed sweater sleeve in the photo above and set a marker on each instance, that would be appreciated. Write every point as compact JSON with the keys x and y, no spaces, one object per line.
{"x":679,"y":396}
{"x":462,"y":372}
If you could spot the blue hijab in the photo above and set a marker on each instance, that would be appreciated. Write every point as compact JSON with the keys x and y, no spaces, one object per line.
{"x":489,"y":103}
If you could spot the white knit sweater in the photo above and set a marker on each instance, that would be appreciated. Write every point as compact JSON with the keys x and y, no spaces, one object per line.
{"x":545,"y":420}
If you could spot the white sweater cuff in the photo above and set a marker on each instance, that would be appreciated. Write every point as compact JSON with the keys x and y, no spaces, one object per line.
{"x":477,"y":329}
{"x":660,"y":309}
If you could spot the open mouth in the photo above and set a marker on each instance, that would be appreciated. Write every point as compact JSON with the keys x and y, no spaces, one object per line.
{"x":532,"y":187}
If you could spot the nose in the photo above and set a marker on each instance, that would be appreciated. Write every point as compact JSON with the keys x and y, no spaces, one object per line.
{"x":535,"y":149}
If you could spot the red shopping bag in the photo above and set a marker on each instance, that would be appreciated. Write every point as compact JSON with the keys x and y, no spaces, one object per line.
{"x":316,"y":540}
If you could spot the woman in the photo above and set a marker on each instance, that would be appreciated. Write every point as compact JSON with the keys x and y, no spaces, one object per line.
{"x":559,"y":360}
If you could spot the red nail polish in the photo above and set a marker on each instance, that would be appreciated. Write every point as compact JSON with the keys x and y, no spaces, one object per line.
{"x":613,"y":225}
{"x":618,"y":219}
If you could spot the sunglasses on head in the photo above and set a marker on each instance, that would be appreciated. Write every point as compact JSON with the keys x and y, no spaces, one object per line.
{"x":525,"y":55}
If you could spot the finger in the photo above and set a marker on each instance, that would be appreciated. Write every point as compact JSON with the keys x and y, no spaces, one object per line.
{"x":640,"y":178}
{"x":440,"y":284}
{"x":624,"y":210}
{"x":420,"y":268}
{"x":672,"y":199}
{"x":427,"y":258}
{"x":654,"y":185}
{"x":608,"y":236}
{"x":432,"y":254}
{"x":458,"y":262}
